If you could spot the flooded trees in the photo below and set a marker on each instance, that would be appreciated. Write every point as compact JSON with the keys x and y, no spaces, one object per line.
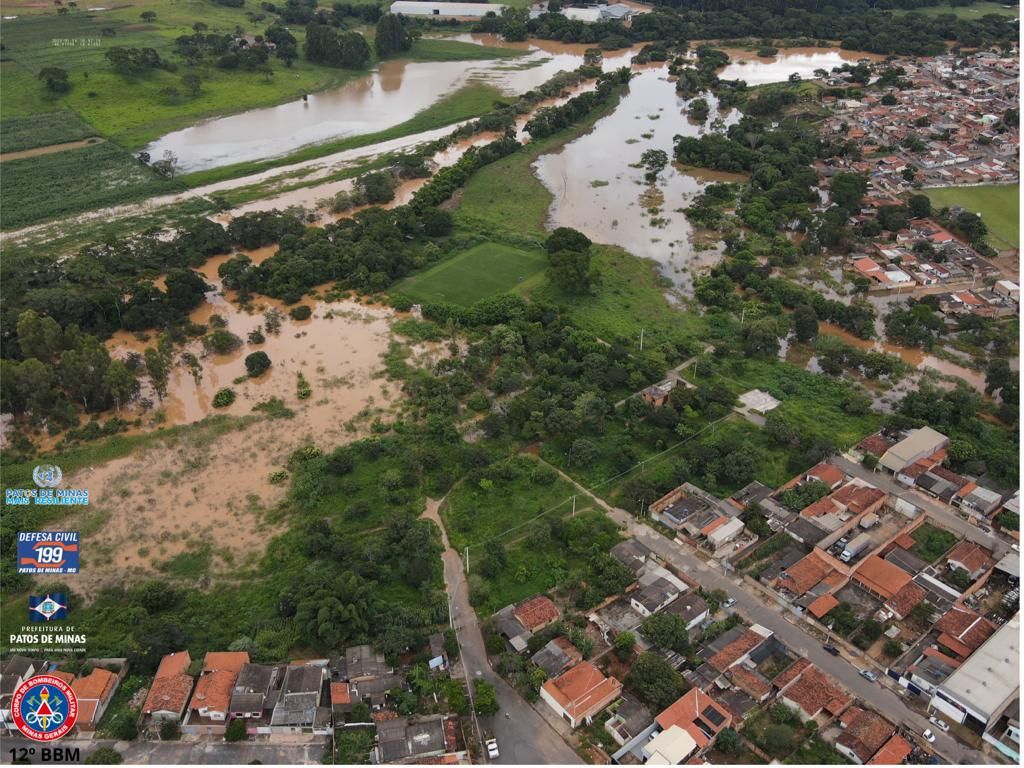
{"x":391,"y":37}
{"x":257,"y":363}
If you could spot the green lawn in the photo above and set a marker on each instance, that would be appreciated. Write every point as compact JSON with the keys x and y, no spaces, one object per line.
{"x":484,"y":270}
{"x":998,"y":206}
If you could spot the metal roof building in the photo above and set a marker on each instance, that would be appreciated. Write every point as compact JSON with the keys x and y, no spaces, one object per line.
{"x":984,"y":685}
{"x":446,"y":10}
{"x":918,"y":444}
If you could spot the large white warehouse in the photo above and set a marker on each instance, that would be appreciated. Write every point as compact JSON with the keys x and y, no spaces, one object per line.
{"x":446,"y":10}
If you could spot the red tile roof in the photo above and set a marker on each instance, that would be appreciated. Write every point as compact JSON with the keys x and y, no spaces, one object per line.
{"x":225,"y":661}
{"x":583,"y":691}
{"x":948,"y":641}
{"x":213,"y":691}
{"x":829,"y":474}
{"x":814,"y":691}
{"x":790,"y":674}
{"x":822,"y":605}
{"x":735,"y":650}
{"x":754,"y":685}
{"x":805,"y":573}
{"x":98,"y":684}
{"x":973,"y":557}
{"x":536,"y":612}
{"x":881,"y":577}
{"x":168,"y":694}
{"x":965,"y":626}
{"x":893,"y":752}
{"x":858,"y":498}
{"x":340,"y":694}
{"x":904,"y":601}
{"x":174,"y":664}
{"x":866,"y":733}
{"x":688,"y":709}
{"x":718,"y":522}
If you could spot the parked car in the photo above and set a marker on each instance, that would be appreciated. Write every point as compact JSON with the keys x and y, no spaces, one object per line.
{"x":492,"y":749}
{"x":928,"y":736}
{"x":939,"y":723}
{"x":831,"y":649}
{"x":729,"y":603}
{"x":867,"y":674}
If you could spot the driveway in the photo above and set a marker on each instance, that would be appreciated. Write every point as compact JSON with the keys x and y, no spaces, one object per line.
{"x":524,"y":737}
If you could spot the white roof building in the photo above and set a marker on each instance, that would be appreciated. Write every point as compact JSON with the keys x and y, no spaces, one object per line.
{"x":446,"y":10}
{"x":670,"y":747}
{"x":983,"y":686}
{"x":918,"y":444}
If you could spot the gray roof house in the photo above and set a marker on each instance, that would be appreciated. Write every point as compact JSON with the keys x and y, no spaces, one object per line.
{"x":298,"y":709}
{"x":402,"y":738}
{"x":654,"y":597}
{"x":252,"y":692}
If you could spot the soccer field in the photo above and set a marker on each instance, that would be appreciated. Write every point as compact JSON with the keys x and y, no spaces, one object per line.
{"x":484,"y":270}
{"x":998,"y":206}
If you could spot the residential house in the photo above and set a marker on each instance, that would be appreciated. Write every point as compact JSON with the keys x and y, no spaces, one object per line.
{"x":691,"y":607}
{"x":298,"y":709}
{"x":699,"y":715}
{"x":252,"y":692}
{"x":517,"y":623}
{"x":341,"y":701}
{"x":438,"y":655}
{"x":658,"y":395}
{"x":211,"y":701}
{"x":902,"y":603}
{"x":894,"y":752}
{"x":971,"y":558}
{"x":864,"y":734}
{"x":739,"y":649}
{"x":579,"y":694}
{"x":880,"y":577}
{"x":724,"y":530}
{"x":963,"y":631}
{"x":557,"y":656}
{"x":669,"y":747}
{"x":829,"y":474}
{"x":170,"y":690}
{"x":632,"y":554}
{"x":806,"y":574}
{"x":94,"y":692}
{"x":653,"y":597}
{"x":631,"y":718}
{"x":975,"y":500}
{"x":402,"y":739}
{"x":809,"y":691}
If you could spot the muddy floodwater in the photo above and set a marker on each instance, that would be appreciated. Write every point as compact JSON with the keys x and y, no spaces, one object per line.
{"x":392,"y":94}
{"x":758,"y":70}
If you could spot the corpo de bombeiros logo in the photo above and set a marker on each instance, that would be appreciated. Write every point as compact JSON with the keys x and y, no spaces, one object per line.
{"x":44,"y":708}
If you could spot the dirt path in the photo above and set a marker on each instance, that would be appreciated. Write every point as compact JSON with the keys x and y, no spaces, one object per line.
{"x":51,"y":149}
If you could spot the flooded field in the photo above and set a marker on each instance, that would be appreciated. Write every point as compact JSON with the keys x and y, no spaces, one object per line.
{"x":759,"y":70}
{"x":392,"y":94}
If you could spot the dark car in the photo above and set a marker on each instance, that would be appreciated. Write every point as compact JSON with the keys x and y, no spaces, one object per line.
{"x":831,"y":649}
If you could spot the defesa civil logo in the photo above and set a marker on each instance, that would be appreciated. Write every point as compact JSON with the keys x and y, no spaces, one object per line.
{"x":44,"y":708}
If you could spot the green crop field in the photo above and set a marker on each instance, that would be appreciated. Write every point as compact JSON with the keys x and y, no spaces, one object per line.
{"x":42,"y":187}
{"x":42,"y":130}
{"x":998,"y":206}
{"x":484,"y":270}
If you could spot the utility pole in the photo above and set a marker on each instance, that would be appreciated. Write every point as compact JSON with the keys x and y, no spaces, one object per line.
{"x":641,"y":339}
{"x":467,"y":560}
{"x":574,"y":506}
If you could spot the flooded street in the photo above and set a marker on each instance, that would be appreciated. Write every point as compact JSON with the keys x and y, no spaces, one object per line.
{"x":393,"y":93}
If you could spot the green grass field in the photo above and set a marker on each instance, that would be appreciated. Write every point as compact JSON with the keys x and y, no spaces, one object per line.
{"x":998,"y":206}
{"x":975,"y":11}
{"x":484,"y":270}
{"x":41,"y":130}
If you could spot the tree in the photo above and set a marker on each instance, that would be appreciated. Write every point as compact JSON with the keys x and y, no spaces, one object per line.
{"x":170,"y":730}
{"x":920,"y":206}
{"x":55,"y":78}
{"x":655,"y":681}
{"x":729,"y":742}
{"x":104,"y":756}
{"x":167,"y":165}
{"x":667,"y":631}
{"x":848,"y":189}
{"x":624,"y":645}
{"x":698,"y":109}
{"x":159,"y":369}
{"x":257,"y":363}
{"x":391,"y":37}
{"x":761,"y":338}
{"x":148,"y":16}
{"x":654,"y":160}
{"x":82,"y":371}
{"x":567,"y":239}
{"x":997,"y":375}
{"x":235,"y":730}
{"x":485,"y":698}
{"x":39,"y":336}
{"x":120,"y":383}
{"x":805,"y":323}
{"x":570,"y":270}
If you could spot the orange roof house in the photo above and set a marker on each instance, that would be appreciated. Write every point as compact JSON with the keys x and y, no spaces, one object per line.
{"x":880,"y":577}
{"x":970,"y":557}
{"x":864,"y":733}
{"x":174,"y":664}
{"x":903,"y":602}
{"x":829,"y":474}
{"x":812,"y":691}
{"x":167,"y":697}
{"x":804,"y":574}
{"x":536,"y":613}
{"x":580,"y":693}
{"x":698,"y":714}
{"x":225,"y":661}
{"x":893,"y":752}
{"x":822,"y":605}
{"x":213,"y":694}
{"x":738,"y":649}
{"x":963,"y":631}
{"x":94,"y":692}
{"x":751,"y":683}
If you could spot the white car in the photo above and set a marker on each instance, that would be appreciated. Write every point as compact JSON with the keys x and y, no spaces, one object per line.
{"x":729,"y":603}
{"x":492,"y":749}
{"x":939,"y":723}
{"x":928,"y":736}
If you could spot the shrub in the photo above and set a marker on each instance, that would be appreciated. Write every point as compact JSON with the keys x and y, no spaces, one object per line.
{"x":235,"y":731}
{"x":221,"y":342}
{"x":170,"y":731}
{"x":301,"y":312}
{"x":224,"y":398}
{"x":257,"y":363}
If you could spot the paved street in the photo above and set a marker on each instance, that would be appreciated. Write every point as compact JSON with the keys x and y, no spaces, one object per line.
{"x":935,"y":508}
{"x":524,"y":737}
{"x":750,"y":605}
